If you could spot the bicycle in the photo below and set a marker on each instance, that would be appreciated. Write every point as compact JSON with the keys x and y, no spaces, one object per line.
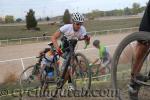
{"x":122,"y":62}
{"x":80,"y":73}
{"x":98,"y":71}
{"x":31,"y":78}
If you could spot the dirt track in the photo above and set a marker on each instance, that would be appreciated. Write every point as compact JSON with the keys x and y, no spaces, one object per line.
{"x":28,"y":50}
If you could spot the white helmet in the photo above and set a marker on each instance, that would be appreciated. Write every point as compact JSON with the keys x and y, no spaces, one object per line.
{"x":77,"y":17}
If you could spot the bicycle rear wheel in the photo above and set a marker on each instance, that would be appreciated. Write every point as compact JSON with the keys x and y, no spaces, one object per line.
{"x":123,"y":60}
{"x":82,"y":74}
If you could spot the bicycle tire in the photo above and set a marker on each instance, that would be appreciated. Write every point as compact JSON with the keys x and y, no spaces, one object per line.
{"x":22,"y":74}
{"x":88,"y":71}
{"x":130,"y":38}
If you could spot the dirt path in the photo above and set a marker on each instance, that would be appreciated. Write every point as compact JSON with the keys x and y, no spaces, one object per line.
{"x":29,"y":50}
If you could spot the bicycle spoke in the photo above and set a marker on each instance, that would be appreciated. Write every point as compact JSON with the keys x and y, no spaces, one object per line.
{"x":81,"y":77}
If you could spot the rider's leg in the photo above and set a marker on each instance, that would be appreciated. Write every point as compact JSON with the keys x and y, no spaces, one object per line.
{"x":42,"y":67}
{"x":141,"y":49}
{"x":67,"y":77}
{"x":106,"y":65}
{"x":71,"y":86}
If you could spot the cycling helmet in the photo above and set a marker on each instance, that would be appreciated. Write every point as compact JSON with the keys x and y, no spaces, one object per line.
{"x":77,"y":17}
{"x":96,"y":42}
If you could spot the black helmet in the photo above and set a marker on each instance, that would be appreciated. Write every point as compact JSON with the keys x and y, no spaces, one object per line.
{"x":96,"y":42}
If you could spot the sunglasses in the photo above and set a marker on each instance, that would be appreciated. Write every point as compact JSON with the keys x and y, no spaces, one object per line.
{"x":79,"y":24}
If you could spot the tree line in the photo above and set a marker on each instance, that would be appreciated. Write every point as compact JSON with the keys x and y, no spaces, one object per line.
{"x":31,"y":21}
{"x":136,"y":8}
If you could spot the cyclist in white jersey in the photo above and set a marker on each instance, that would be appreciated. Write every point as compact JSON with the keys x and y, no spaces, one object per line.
{"x":76,"y":30}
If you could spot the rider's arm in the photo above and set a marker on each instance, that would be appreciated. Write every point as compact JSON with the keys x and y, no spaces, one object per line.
{"x":84,"y":38}
{"x":54,"y":39}
{"x":84,"y":35}
{"x":57,"y":34}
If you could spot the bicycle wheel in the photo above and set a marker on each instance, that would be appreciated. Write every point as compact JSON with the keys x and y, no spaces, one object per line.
{"x":122,"y":63}
{"x":100,"y":77}
{"x":82,"y":73}
{"x":28,"y":80}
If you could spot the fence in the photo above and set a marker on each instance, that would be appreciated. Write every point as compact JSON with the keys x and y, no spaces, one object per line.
{"x":23,"y":40}
{"x":47,"y":38}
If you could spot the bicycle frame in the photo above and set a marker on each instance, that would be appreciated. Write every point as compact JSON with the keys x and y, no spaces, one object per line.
{"x":70,"y":54}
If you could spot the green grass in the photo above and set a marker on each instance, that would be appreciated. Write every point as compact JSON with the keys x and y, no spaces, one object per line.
{"x":111,"y":24}
{"x":13,"y":32}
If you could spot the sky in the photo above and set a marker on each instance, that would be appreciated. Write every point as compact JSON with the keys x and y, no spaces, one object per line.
{"x":51,"y":8}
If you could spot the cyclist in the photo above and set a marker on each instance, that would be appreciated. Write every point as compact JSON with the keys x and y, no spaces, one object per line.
{"x":47,"y":63}
{"x":141,"y":48}
{"x":104,"y":56}
{"x":47,"y":58}
{"x":76,"y":30}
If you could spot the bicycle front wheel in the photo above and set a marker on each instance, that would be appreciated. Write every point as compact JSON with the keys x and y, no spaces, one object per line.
{"x":82,"y":72}
{"x":122,"y":64}
{"x":29,"y":79}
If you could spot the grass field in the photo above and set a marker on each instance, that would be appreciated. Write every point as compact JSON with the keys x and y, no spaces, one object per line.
{"x":13,"y":32}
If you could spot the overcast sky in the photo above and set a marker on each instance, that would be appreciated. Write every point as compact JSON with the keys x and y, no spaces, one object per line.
{"x":51,"y":8}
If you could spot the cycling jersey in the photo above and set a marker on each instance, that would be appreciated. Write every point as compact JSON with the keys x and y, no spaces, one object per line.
{"x":69,"y":32}
{"x":48,"y":58}
{"x":103,"y":53}
{"x":104,"y":56}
